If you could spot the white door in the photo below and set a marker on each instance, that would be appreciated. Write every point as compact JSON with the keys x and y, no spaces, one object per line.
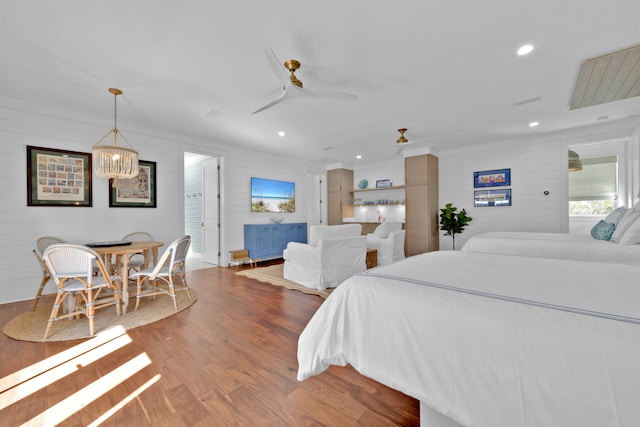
{"x":210,"y":211}
{"x":316,"y":188}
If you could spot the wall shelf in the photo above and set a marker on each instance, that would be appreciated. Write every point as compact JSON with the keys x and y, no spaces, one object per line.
{"x":398,"y":202}
{"x":357,"y":190}
{"x":380,"y":204}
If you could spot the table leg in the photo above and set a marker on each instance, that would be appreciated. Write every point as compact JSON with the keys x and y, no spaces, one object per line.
{"x":145,"y":262}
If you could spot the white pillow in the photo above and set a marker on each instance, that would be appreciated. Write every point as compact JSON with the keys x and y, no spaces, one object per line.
{"x":615,"y":216}
{"x":626,"y":225}
{"x":382,"y":231}
{"x":631,"y":234}
{"x":636,"y":207}
{"x":387,"y":227}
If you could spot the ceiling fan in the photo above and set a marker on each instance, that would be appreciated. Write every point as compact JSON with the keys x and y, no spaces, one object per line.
{"x":403,"y":141}
{"x":293,"y":86}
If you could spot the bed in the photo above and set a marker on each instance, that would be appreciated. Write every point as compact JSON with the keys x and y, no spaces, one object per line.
{"x":503,"y":342}
{"x":553,"y":245}
{"x":615,"y":238}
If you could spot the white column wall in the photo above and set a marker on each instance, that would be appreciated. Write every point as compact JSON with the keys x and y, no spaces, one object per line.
{"x":25,"y":123}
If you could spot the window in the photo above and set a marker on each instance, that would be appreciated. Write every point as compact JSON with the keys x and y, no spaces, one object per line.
{"x":594,"y":189}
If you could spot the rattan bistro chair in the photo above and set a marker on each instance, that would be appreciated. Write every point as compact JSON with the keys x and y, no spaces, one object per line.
{"x":39,"y":247}
{"x":72,"y":268}
{"x":161,"y":278}
{"x":137,"y":261}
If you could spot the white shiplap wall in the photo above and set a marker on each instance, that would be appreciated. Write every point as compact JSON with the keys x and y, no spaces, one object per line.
{"x":25,"y":123}
{"x":238,"y":170}
{"x":536,"y":166}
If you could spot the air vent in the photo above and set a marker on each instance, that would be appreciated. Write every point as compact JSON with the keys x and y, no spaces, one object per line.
{"x":608,"y":78}
{"x":527,"y":101}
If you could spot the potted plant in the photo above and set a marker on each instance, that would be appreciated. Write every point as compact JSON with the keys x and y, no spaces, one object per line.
{"x":453,"y":222}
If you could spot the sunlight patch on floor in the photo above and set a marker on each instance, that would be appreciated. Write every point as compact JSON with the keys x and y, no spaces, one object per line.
{"x":23,"y":383}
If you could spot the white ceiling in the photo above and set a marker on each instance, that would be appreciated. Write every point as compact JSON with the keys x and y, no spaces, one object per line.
{"x":437,"y":67}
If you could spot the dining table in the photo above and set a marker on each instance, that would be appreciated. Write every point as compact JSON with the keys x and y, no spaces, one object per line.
{"x":122,"y":251}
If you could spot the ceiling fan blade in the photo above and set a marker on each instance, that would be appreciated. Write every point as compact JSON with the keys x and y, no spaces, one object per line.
{"x":277,"y":66}
{"x":290,"y":91}
{"x":331,"y":94}
{"x":430,"y":138}
{"x":271,"y":104}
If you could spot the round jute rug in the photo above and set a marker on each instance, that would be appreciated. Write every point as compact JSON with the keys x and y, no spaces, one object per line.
{"x":30,"y":326}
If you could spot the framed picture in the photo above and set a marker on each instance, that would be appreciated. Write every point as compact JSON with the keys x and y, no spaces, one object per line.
{"x":58,"y":177}
{"x":383,"y":183}
{"x":501,"y":197}
{"x":494,"y":178}
{"x":138,"y":192}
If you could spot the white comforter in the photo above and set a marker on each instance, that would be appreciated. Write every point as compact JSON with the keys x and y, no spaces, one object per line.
{"x":490,"y":340}
{"x":553,"y":245}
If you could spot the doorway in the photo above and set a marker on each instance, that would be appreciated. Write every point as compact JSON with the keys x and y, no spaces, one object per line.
{"x":202,"y":208}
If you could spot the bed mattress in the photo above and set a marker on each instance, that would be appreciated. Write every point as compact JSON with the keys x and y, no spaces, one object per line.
{"x":553,"y":245}
{"x":490,"y":340}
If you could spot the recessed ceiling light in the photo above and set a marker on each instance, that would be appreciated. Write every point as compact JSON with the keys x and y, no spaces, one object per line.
{"x":526,"y":49}
{"x":282,"y":133}
{"x":533,"y":124}
{"x":358,"y":156}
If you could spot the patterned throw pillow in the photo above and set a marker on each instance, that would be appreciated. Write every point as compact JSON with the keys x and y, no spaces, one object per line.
{"x":603,"y":230}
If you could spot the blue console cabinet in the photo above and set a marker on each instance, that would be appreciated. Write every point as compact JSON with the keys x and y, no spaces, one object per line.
{"x":269,"y":240}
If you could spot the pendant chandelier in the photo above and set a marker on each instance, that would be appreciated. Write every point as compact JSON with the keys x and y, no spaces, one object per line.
{"x":115,"y":161}
{"x":575,"y":164}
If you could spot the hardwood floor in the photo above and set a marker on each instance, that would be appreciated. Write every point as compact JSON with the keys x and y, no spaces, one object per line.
{"x":229,"y":360}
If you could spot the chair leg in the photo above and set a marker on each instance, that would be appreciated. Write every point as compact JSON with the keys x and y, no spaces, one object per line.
{"x":184,"y":283}
{"x":90,"y":309}
{"x":172,"y":293}
{"x":118,"y":297}
{"x":43,"y":282}
{"x":54,"y":312}
{"x":138,"y":292}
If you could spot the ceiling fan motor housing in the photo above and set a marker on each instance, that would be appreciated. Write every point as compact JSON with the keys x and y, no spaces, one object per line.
{"x":292,"y":65}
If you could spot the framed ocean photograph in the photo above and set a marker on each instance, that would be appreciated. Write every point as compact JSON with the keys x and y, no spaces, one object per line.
{"x":272,"y":196}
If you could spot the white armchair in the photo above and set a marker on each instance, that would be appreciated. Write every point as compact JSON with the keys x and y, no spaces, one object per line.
{"x":333,"y":254}
{"x":388,"y":239}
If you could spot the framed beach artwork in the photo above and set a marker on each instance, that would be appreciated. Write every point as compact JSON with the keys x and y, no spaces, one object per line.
{"x":383,"y":183}
{"x":58,"y":177}
{"x":138,"y":192}
{"x":492,"y":178}
{"x":272,"y":196}
{"x":485,"y":198}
